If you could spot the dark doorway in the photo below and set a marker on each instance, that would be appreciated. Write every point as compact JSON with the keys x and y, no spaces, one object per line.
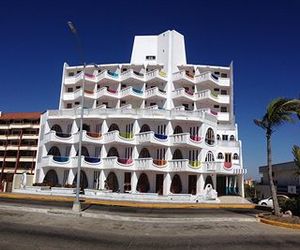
{"x":51,"y":178}
{"x":83,"y":180}
{"x":143,"y":185}
{"x":159,"y":184}
{"x":176,"y":186}
{"x":192,"y":184}
{"x":221,"y":185}
{"x":111,"y":182}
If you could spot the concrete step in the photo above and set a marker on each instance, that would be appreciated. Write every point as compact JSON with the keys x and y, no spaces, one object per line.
{"x":233,"y":199}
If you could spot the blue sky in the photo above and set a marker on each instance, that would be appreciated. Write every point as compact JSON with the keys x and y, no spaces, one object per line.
{"x":261,"y":37}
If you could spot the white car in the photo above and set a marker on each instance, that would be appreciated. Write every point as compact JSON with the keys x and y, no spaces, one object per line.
{"x":269,"y":201}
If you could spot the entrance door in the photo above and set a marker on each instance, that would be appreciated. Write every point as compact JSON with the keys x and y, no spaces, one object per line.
{"x":192,"y":184}
{"x":159,"y":184}
{"x":221,"y":185}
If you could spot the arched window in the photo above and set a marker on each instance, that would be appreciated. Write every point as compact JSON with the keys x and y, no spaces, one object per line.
{"x":56,"y":128}
{"x":86,"y":127}
{"x":231,"y":138}
{"x":209,"y":157}
{"x":176,"y":186}
{"x":51,"y":178}
{"x":178,"y":130}
{"x":113,"y":152}
{"x":54,"y":151}
{"x":84,"y":151}
{"x":83,"y":180}
{"x":210,"y":136}
{"x":177,"y":154}
{"x":143,"y":185}
{"x":111,"y":182}
{"x":113,"y":127}
{"x":144,"y":153}
{"x":220,"y":156}
{"x":218,"y":137}
{"x":208,"y":180}
{"x":145,"y":128}
{"x":235,"y":156}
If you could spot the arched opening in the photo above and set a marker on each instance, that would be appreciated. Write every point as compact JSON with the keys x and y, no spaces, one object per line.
{"x":235,"y":156}
{"x":177,"y":154}
{"x":210,"y":136}
{"x":86,"y":127}
{"x":143,"y":185}
{"x":84,"y":151}
{"x":113,"y":127}
{"x":178,"y":130}
{"x":144,"y":153}
{"x":176,"y":186}
{"x":51,"y":178}
{"x":83,"y":180}
{"x":231,"y":138}
{"x":56,"y":128}
{"x":208,"y":180}
{"x":220,"y":156}
{"x":218,"y":137}
{"x":145,"y":128}
{"x":111,"y":182}
{"x":54,"y":151}
{"x":209,"y":157}
{"x":113,"y":152}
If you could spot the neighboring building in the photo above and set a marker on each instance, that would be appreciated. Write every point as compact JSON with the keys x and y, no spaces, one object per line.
{"x":156,"y":124}
{"x":285,"y":179}
{"x":18,"y":145}
{"x":250,"y":182}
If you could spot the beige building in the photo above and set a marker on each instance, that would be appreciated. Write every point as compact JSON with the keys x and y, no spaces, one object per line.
{"x":18,"y":145}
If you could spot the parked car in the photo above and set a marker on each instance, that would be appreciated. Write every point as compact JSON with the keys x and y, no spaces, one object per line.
{"x":269,"y":201}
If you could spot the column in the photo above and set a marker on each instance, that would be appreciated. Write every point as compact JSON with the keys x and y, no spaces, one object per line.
{"x":134,"y":181}
{"x":167,"y":184}
{"x":200,"y":184}
{"x":226,"y":191}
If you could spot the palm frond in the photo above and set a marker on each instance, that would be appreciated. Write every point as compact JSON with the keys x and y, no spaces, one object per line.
{"x":296,"y":153}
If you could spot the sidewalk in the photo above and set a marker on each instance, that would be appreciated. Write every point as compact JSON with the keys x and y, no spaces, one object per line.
{"x":137,"y":204}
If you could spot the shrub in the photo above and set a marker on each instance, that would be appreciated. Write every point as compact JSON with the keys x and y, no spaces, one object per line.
{"x":293,"y":205}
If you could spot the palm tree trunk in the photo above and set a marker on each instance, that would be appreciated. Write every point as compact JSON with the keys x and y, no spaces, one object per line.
{"x":272,"y":186}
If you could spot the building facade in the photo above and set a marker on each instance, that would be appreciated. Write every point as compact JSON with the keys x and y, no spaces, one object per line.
{"x":154,"y":125}
{"x":19,"y":134}
{"x":286,"y":179}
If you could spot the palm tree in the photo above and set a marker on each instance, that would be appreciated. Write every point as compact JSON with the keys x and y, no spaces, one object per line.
{"x":296,"y":153}
{"x":278,"y":111}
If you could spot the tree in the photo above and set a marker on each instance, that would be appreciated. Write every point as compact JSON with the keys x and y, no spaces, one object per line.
{"x":296,"y":153}
{"x":278,"y":111}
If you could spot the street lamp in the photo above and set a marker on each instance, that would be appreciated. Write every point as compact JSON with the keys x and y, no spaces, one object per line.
{"x":76,"y":204}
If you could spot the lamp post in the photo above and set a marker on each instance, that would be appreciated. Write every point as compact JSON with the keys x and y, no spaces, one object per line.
{"x":76,"y":204}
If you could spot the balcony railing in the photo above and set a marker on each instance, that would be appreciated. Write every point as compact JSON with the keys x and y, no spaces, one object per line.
{"x":61,"y":159}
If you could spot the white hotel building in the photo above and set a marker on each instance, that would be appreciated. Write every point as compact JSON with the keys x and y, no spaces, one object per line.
{"x":155,"y":125}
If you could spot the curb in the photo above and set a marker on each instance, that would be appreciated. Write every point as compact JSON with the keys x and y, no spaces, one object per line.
{"x":134,"y":204}
{"x":278,"y":223}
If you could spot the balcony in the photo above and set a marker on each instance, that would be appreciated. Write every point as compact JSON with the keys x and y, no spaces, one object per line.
{"x":132,"y":92}
{"x":56,"y":161}
{"x":149,"y":137}
{"x":182,"y":94}
{"x":155,"y":92}
{"x":53,"y":136}
{"x":108,"y":77}
{"x":88,"y":78}
{"x":158,"y":163}
{"x":76,"y":95}
{"x":119,"y":137}
{"x":208,"y":78}
{"x":179,"y":165}
{"x":185,"y":139}
{"x":91,"y":137}
{"x":107,"y":92}
{"x":130,"y":76}
{"x":156,"y":76}
{"x":182,"y":77}
{"x":125,"y":162}
{"x":110,"y":162}
{"x":90,"y":162}
{"x":143,"y":163}
{"x":210,"y":95}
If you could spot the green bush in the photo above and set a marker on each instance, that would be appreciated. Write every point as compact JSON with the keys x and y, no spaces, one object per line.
{"x":293,"y":205}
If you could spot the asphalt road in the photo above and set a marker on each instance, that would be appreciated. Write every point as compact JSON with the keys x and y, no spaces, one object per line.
{"x":28,"y":230}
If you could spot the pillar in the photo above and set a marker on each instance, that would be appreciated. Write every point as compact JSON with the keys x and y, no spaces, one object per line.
{"x":134,"y":181}
{"x":167,"y":184}
{"x":200,"y":184}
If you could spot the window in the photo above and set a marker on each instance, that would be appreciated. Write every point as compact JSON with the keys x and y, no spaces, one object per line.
{"x":150,"y":57}
{"x":227,"y":157}
{"x":223,"y":109}
{"x":217,"y":73}
{"x":123,"y":102}
{"x":216,"y":106}
{"x":223,"y":75}
{"x":220,"y":156}
{"x":71,"y":74}
{"x":186,"y":106}
{"x":225,"y":137}
{"x":70,"y":90}
{"x":77,"y":87}
{"x":69,"y":105}
{"x":209,"y":157}
{"x":216,"y":89}
{"x":232,"y":138}
{"x":78,"y":71}
{"x":210,"y":136}
{"x":218,"y":137}
{"x":223,"y":92}
{"x":77,"y":103}
{"x":235,"y":156}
